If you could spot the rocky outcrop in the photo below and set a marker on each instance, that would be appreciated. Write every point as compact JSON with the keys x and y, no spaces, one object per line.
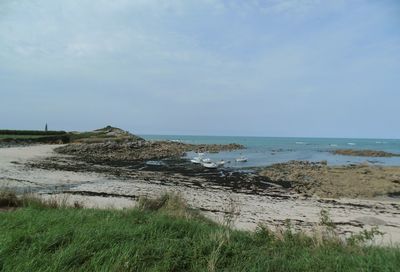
{"x":104,"y":135}
{"x":363,"y":153}
{"x":139,"y":150}
{"x":303,"y":176}
{"x":363,"y":180}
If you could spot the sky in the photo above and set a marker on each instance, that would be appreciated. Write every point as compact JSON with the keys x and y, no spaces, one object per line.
{"x":312,"y":68}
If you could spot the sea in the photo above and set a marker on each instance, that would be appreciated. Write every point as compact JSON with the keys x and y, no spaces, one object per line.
{"x":263,"y":151}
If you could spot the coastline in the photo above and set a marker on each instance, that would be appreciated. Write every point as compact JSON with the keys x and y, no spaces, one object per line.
{"x":41,"y":170}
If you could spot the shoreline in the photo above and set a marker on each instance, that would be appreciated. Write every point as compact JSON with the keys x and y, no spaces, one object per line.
{"x":104,"y":186}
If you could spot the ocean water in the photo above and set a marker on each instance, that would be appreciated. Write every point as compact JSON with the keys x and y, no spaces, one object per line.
{"x":262,"y":151}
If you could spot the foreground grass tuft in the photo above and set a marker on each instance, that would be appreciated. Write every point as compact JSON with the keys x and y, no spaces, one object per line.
{"x":171,"y":204}
{"x":9,"y":200}
{"x":163,"y":235}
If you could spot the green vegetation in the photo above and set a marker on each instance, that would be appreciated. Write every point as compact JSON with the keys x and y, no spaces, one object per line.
{"x":31,"y":132}
{"x":86,"y":135}
{"x":97,"y":136}
{"x":11,"y":136}
{"x":108,"y":133}
{"x":164,"y":235}
{"x":35,"y":136}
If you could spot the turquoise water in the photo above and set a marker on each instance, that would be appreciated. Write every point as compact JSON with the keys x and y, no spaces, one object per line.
{"x":268,"y":150}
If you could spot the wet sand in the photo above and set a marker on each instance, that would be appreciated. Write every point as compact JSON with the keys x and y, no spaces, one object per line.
{"x":255,"y":200}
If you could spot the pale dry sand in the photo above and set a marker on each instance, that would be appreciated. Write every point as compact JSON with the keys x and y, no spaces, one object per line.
{"x":350,"y":215}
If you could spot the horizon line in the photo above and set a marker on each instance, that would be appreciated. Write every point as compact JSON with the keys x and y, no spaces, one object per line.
{"x":249,"y":136}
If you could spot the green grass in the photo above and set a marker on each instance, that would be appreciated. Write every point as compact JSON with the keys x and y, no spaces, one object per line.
{"x":72,"y":136}
{"x":83,"y":135}
{"x":91,"y":137}
{"x":30,"y":132}
{"x":97,"y":136}
{"x":6,"y":136}
{"x":165,"y":236}
{"x":37,"y":136}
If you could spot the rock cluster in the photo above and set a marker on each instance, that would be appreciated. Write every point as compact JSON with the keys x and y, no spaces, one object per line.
{"x":139,"y":150}
{"x":354,"y":180}
{"x":303,"y":176}
{"x":363,"y":153}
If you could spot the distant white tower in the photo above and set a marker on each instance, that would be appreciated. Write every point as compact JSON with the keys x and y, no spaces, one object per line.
{"x":45,"y":128}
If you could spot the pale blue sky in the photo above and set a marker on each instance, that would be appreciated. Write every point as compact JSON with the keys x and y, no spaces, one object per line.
{"x":251,"y":67}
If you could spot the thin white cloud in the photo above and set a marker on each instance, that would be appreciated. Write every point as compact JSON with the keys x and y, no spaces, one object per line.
{"x":204,"y":53}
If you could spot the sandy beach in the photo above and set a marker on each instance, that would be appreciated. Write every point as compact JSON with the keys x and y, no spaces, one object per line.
{"x":22,"y":168}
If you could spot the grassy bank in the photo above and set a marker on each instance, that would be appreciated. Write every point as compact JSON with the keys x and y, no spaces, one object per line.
{"x":13,"y":136}
{"x":30,"y":133}
{"x":36,"y":136}
{"x":164,"y":235}
{"x":33,"y":136}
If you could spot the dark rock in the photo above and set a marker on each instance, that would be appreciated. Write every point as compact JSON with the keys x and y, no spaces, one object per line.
{"x":363,"y":153}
